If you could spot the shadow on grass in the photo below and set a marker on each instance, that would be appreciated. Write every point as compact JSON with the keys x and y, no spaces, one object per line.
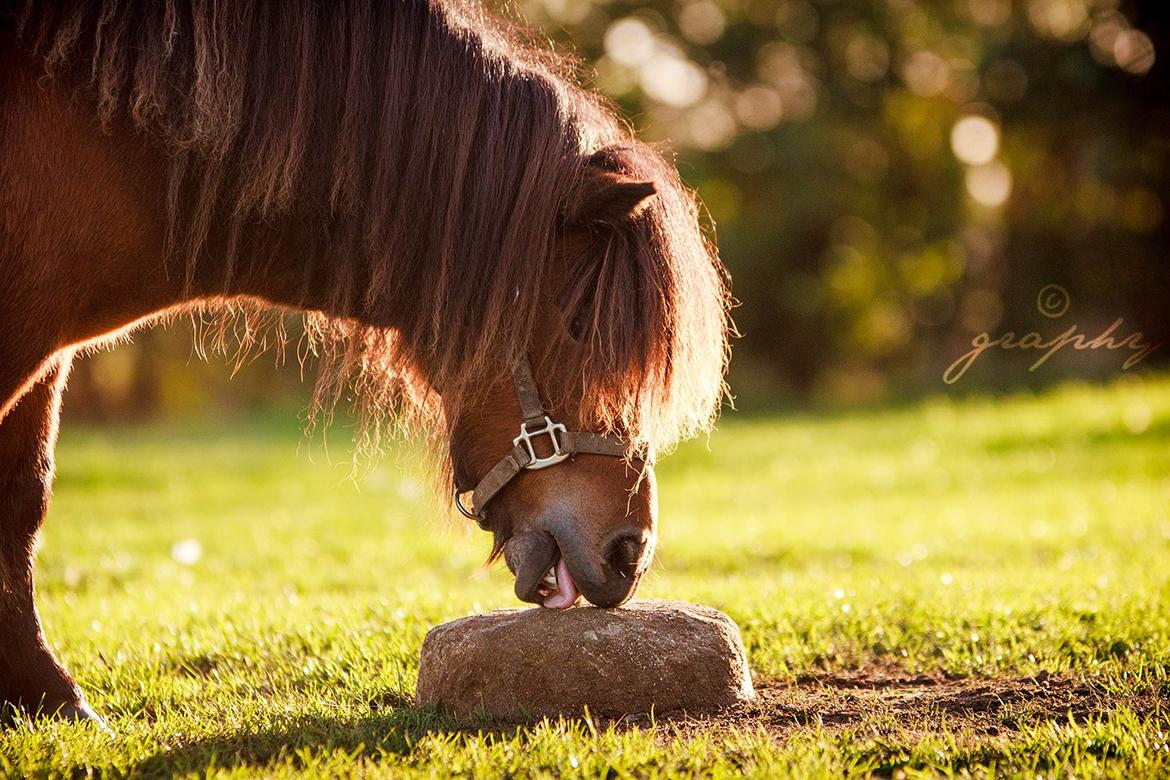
{"x":877,"y":697}
{"x":393,"y":729}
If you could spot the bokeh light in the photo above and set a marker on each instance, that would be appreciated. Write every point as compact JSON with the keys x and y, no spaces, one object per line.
{"x":975,"y":140}
{"x":990,"y":13}
{"x":989,"y":184}
{"x":1064,"y":20}
{"x":629,"y":41}
{"x":926,"y":73}
{"x":1134,"y":51}
{"x":672,"y":79}
{"x":702,"y":22}
{"x":867,"y":58}
{"x":759,"y":107}
{"x":710,"y":126}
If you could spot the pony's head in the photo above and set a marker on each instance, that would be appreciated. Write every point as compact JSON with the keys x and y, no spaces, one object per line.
{"x":433,"y":184}
{"x":627,"y":354}
{"x":567,"y":519}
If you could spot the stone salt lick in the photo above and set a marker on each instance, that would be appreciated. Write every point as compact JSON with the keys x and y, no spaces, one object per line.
{"x":648,"y":656}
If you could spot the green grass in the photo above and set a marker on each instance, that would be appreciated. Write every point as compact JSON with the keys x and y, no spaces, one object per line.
{"x":991,"y":539}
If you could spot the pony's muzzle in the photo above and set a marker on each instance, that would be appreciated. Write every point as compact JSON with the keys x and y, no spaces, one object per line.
{"x":625,"y":556}
{"x":558,"y":560}
{"x":530,"y":555}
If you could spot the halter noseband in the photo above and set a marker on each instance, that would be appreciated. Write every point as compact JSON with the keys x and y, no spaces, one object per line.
{"x":534,"y":424}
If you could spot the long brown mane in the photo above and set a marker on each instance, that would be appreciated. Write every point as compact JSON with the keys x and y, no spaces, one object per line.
{"x":425,"y":154}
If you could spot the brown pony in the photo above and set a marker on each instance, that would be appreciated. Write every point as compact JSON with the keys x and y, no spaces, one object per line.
{"x":424,"y":182}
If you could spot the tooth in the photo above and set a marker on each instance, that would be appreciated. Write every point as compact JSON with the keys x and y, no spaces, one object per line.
{"x":550,"y":577}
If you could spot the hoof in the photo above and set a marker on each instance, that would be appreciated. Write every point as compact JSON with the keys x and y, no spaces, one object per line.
{"x":79,"y":712}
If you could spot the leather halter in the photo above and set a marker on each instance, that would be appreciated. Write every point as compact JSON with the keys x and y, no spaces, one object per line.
{"x":534,"y":423}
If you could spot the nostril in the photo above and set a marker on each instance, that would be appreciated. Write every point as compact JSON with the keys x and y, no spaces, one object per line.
{"x":624,"y":552}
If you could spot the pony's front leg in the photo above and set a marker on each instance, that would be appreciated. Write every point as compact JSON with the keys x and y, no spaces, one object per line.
{"x":30,"y":677}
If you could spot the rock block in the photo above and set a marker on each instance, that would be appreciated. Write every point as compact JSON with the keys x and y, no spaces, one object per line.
{"x":660,"y":656}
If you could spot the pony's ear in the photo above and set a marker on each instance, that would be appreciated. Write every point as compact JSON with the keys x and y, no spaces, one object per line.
{"x":608,"y":196}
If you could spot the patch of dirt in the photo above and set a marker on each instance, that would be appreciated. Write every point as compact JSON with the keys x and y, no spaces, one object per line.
{"x":887,"y":698}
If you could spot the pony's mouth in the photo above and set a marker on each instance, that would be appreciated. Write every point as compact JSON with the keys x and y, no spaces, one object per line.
{"x":557,"y":589}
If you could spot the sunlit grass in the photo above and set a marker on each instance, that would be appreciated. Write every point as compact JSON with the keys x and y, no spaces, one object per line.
{"x":231,"y":603}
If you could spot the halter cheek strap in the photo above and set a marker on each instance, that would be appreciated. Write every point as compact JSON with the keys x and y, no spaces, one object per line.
{"x":534,"y":423}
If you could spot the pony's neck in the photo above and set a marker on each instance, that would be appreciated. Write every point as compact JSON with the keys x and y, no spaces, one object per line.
{"x":397,"y":164}
{"x":283,"y":269}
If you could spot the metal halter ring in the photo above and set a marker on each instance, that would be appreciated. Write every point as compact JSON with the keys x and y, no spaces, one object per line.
{"x":465,"y":511}
{"x":551,"y":428}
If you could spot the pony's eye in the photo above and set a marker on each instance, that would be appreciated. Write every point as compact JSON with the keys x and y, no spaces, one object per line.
{"x":576,"y":328}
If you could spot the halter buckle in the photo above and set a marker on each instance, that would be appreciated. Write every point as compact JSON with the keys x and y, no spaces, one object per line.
{"x":548,"y":427}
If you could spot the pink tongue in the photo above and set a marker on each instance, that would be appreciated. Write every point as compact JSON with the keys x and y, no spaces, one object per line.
{"x":566,"y":594}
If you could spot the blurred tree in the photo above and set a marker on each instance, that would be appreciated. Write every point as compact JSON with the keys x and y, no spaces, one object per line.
{"x":891,"y":177}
